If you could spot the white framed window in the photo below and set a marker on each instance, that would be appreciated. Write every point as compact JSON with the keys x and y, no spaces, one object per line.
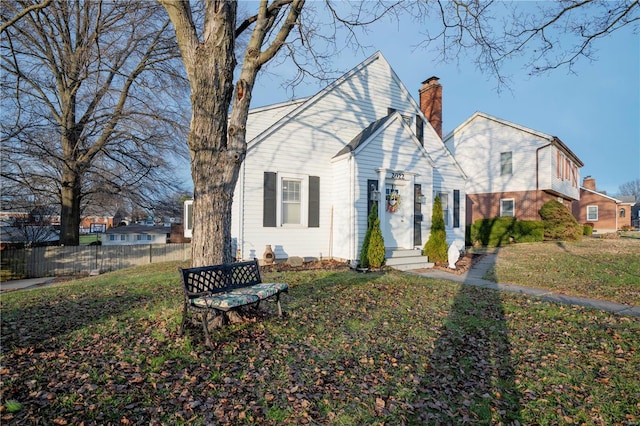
{"x":149,"y":238}
{"x":592,"y":213}
{"x":188,"y":218}
{"x":506,"y":166}
{"x":444,"y":200}
{"x":507,"y":207}
{"x":123,"y":237}
{"x":139,"y":237}
{"x":293,"y":197}
{"x":112,"y":237}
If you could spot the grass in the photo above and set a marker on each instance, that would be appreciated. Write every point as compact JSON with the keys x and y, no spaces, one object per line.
{"x":88,"y":239}
{"x":384,"y":348}
{"x":606,"y":269}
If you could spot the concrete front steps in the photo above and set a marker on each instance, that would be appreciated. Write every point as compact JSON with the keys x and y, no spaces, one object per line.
{"x":406,"y":260}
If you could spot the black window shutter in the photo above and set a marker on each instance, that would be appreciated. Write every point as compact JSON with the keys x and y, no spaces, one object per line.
{"x":314,"y":201}
{"x":456,"y":208}
{"x":420,"y":129}
{"x":269,"y":198}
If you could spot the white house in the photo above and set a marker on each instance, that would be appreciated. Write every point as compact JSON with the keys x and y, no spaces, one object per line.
{"x":314,"y":167}
{"x":512,"y":170}
{"x":135,"y":234}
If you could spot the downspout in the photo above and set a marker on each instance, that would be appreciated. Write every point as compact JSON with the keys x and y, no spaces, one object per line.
{"x":538,"y":171}
{"x":351,"y":210}
{"x":240,"y":242}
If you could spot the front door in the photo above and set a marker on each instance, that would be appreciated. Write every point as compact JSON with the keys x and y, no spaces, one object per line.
{"x":397,"y":228}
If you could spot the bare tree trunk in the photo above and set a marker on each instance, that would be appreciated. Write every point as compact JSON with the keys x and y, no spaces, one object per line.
{"x":218,"y":150}
{"x":214,"y":171}
{"x":70,"y":210}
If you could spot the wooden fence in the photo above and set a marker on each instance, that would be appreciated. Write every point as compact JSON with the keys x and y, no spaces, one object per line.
{"x":64,"y":261}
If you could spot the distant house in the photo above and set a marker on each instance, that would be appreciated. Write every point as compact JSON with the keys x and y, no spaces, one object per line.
{"x":25,"y":235}
{"x":512,"y":170}
{"x":315,"y":167}
{"x":135,"y":234}
{"x":604,"y":213}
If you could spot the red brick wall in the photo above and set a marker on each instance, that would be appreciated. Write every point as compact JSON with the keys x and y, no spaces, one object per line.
{"x":607,"y":211}
{"x":626,"y":220}
{"x":526,"y":204}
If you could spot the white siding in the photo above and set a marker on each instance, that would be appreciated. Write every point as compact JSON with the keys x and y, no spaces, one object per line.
{"x":478,"y":143}
{"x":305,"y":142}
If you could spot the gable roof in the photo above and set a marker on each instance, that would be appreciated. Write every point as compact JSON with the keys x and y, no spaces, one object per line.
{"x":373,"y":129}
{"x":582,"y":188}
{"x":552,"y":139}
{"x":138,"y":229}
{"x":363,"y":136}
{"x":428,"y":145}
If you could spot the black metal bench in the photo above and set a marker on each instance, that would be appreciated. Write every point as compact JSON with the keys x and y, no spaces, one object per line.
{"x":218,"y":289}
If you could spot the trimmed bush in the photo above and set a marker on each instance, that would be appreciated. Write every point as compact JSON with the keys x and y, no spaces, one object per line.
{"x":528,"y":231}
{"x":436,"y":247}
{"x":372,"y":250}
{"x":559,"y":223}
{"x":587,"y":230}
{"x":375,"y":253}
{"x":500,"y":231}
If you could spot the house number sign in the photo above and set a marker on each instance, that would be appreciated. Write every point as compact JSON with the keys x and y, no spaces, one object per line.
{"x":397,"y":175}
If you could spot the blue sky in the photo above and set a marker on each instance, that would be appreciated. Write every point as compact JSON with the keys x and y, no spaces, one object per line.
{"x":595,"y":110}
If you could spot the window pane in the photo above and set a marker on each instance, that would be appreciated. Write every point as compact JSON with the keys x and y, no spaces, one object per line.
{"x":291,"y":205}
{"x":592,"y":213}
{"x":506,"y":208}
{"x":505,"y":163}
{"x":291,"y":213}
{"x":444,"y":200}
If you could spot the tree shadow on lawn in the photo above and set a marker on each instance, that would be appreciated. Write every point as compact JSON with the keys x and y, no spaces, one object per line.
{"x":40,"y":321}
{"x":471,"y":375}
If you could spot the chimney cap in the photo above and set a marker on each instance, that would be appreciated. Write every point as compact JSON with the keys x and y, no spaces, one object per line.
{"x":430,"y":79}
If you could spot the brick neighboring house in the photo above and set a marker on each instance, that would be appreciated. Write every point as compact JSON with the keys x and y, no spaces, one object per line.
{"x":606,"y":214}
{"x":512,"y":170}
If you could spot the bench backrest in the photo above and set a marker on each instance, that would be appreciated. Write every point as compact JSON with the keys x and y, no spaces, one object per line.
{"x":219,"y":278}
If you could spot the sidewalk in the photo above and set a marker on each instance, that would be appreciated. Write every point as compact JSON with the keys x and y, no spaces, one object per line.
{"x":474,"y":277}
{"x":25,"y":284}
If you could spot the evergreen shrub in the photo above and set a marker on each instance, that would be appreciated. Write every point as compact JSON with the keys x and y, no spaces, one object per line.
{"x":500,"y":231}
{"x":436,"y":247}
{"x":559,"y":223}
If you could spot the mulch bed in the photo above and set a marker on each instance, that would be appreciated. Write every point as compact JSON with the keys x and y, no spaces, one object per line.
{"x":466,"y":261}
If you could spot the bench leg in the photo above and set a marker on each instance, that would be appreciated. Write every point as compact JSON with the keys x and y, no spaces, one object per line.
{"x":205,"y":326}
{"x":184,"y":318}
{"x":279,"y":307}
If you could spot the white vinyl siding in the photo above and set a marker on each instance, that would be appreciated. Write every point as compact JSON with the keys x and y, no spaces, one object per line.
{"x":477,"y":142}
{"x":305,"y":143}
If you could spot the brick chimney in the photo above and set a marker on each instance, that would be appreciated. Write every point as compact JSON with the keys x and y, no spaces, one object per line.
{"x":431,"y":103}
{"x":589,"y":183}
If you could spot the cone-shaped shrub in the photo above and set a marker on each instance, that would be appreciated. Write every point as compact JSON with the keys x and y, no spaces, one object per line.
{"x":375,"y":252}
{"x":436,"y":247}
{"x":364,"y":250}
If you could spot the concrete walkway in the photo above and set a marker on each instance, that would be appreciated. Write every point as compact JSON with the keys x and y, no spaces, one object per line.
{"x":25,"y":284}
{"x":474,"y":276}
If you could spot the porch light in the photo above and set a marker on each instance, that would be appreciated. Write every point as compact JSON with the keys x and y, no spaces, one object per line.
{"x":374,"y":195}
{"x":421,"y":199}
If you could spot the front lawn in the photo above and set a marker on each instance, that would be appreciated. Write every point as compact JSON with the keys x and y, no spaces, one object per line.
{"x":599,"y":268}
{"x":355,"y":349}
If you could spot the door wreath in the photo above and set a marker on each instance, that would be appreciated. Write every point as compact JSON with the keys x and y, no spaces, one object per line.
{"x":393,"y":202}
